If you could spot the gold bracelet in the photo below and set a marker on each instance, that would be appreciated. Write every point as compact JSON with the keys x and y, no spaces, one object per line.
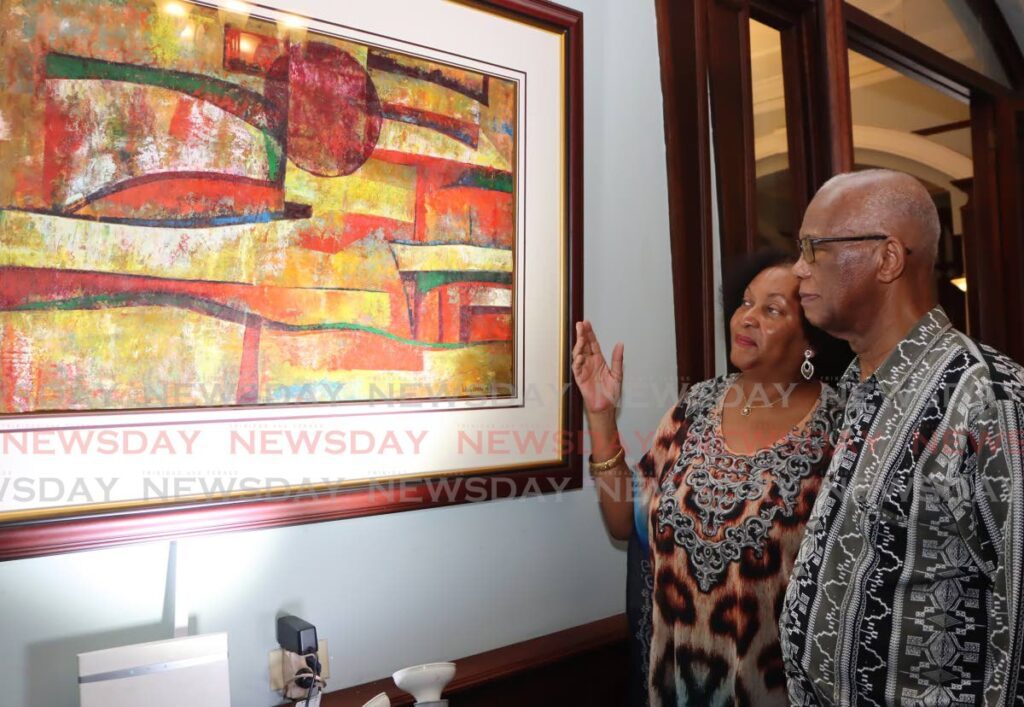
{"x":601,"y":468}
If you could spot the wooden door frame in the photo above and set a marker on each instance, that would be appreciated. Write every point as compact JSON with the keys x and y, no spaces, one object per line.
{"x":682,"y":43}
{"x":705,"y":60}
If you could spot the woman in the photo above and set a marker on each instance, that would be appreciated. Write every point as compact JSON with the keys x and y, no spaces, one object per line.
{"x":715,"y":509}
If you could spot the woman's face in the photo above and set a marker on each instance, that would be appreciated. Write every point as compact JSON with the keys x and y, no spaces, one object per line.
{"x":767,"y":331}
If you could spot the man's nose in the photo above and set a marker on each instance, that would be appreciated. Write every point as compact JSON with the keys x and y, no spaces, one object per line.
{"x":801,"y":269}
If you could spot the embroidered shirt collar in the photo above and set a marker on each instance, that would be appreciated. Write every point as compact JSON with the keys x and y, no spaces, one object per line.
{"x":907,"y":355}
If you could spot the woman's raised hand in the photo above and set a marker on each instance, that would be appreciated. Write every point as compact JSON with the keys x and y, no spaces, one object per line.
{"x":600,"y":386}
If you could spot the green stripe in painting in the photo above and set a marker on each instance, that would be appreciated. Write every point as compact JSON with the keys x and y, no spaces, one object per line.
{"x":247,"y":105}
{"x":428,"y":280}
{"x":273,"y":158}
{"x":488,"y":179}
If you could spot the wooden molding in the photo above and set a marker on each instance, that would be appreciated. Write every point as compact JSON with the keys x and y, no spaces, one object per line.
{"x":1009,"y":166}
{"x":732,"y":125}
{"x":682,"y":44}
{"x":944,"y":128}
{"x":970,"y":262}
{"x":499,"y":664}
{"x":800,"y":142}
{"x":985,"y":294}
{"x":834,"y":83}
{"x":88,"y":532}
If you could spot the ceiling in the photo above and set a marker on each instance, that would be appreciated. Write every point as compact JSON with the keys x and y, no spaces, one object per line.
{"x":891,"y":111}
{"x":949,"y":26}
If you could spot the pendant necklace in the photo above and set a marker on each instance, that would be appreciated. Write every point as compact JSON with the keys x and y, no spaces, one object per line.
{"x":745,"y":410}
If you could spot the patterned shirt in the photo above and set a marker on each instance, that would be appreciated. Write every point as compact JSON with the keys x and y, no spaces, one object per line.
{"x":908,"y":585}
{"x":716,"y":535}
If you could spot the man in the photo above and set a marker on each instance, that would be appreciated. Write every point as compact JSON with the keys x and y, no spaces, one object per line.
{"x":907,"y":588}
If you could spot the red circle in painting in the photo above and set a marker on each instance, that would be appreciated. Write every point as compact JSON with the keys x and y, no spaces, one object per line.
{"x":334,"y":113}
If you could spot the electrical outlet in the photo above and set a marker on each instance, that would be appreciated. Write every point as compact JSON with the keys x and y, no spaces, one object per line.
{"x":284,"y":664}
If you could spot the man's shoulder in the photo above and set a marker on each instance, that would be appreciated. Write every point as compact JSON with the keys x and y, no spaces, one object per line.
{"x":988,"y":375}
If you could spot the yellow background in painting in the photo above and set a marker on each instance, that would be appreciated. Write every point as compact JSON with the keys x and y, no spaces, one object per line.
{"x":228,"y":254}
{"x":128,"y":361}
{"x":260,"y":254}
{"x":428,"y":258}
{"x":375,"y":189}
{"x":417,"y":140}
{"x":310,"y":306}
{"x":461,"y":372}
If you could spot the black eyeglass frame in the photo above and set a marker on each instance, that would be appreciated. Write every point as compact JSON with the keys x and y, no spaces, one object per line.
{"x":806,"y":245}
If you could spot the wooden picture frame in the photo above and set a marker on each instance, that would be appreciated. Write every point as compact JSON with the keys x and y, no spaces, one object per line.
{"x":536,"y":45}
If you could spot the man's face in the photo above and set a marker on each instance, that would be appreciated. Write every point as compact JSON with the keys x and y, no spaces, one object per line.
{"x":837,"y":285}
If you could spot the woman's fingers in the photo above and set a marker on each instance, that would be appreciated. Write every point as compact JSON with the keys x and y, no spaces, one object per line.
{"x":617,"y":360}
{"x":588,"y":349}
{"x":581,"y":339}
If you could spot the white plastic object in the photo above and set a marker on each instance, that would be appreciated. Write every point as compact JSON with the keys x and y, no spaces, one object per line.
{"x":381,"y":700}
{"x":425,"y":682}
{"x":179,"y":671}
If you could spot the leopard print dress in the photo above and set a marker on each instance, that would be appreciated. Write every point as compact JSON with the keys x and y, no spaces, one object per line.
{"x":716,"y":536}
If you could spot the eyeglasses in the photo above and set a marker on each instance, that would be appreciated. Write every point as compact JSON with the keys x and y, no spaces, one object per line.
{"x":807,"y":244}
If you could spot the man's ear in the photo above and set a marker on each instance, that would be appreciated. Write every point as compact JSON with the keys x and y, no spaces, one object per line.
{"x":893,"y":257}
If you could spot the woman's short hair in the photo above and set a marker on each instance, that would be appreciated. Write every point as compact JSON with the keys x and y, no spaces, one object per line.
{"x":833,"y":355}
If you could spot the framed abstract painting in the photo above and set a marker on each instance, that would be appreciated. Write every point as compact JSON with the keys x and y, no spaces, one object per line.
{"x":272,"y":265}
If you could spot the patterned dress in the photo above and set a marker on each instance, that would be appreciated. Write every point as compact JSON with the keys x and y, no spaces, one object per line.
{"x":716,"y":536}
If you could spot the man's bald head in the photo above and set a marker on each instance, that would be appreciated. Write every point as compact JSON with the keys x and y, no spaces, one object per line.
{"x":850,"y":287}
{"x":889,"y":202}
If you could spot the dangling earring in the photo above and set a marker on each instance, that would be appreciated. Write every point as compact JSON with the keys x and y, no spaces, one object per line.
{"x":807,"y":369}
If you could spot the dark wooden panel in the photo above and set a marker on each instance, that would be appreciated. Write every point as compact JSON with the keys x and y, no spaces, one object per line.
{"x":800,"y":141}
{"x":994,"y":255}
{"x":683,"y":51}
{"x":778,"y":14}
{"x":970,"y":261}
{"x":983,"y":252}
{"x":944,"y":128}
{"x":836,"y":125}
{"x":584,"y":665}
{"x":732,"y":118}
{"x":595,"y":679}
{"x":1009,"y":164}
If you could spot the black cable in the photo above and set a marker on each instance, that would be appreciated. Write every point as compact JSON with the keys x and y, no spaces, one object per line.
{"x":315,"y":680}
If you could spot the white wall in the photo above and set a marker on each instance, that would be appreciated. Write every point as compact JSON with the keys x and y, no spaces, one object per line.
{"x":426,"y":585}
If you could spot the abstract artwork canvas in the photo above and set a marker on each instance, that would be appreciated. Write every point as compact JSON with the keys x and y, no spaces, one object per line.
{"x":200,"y":207}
